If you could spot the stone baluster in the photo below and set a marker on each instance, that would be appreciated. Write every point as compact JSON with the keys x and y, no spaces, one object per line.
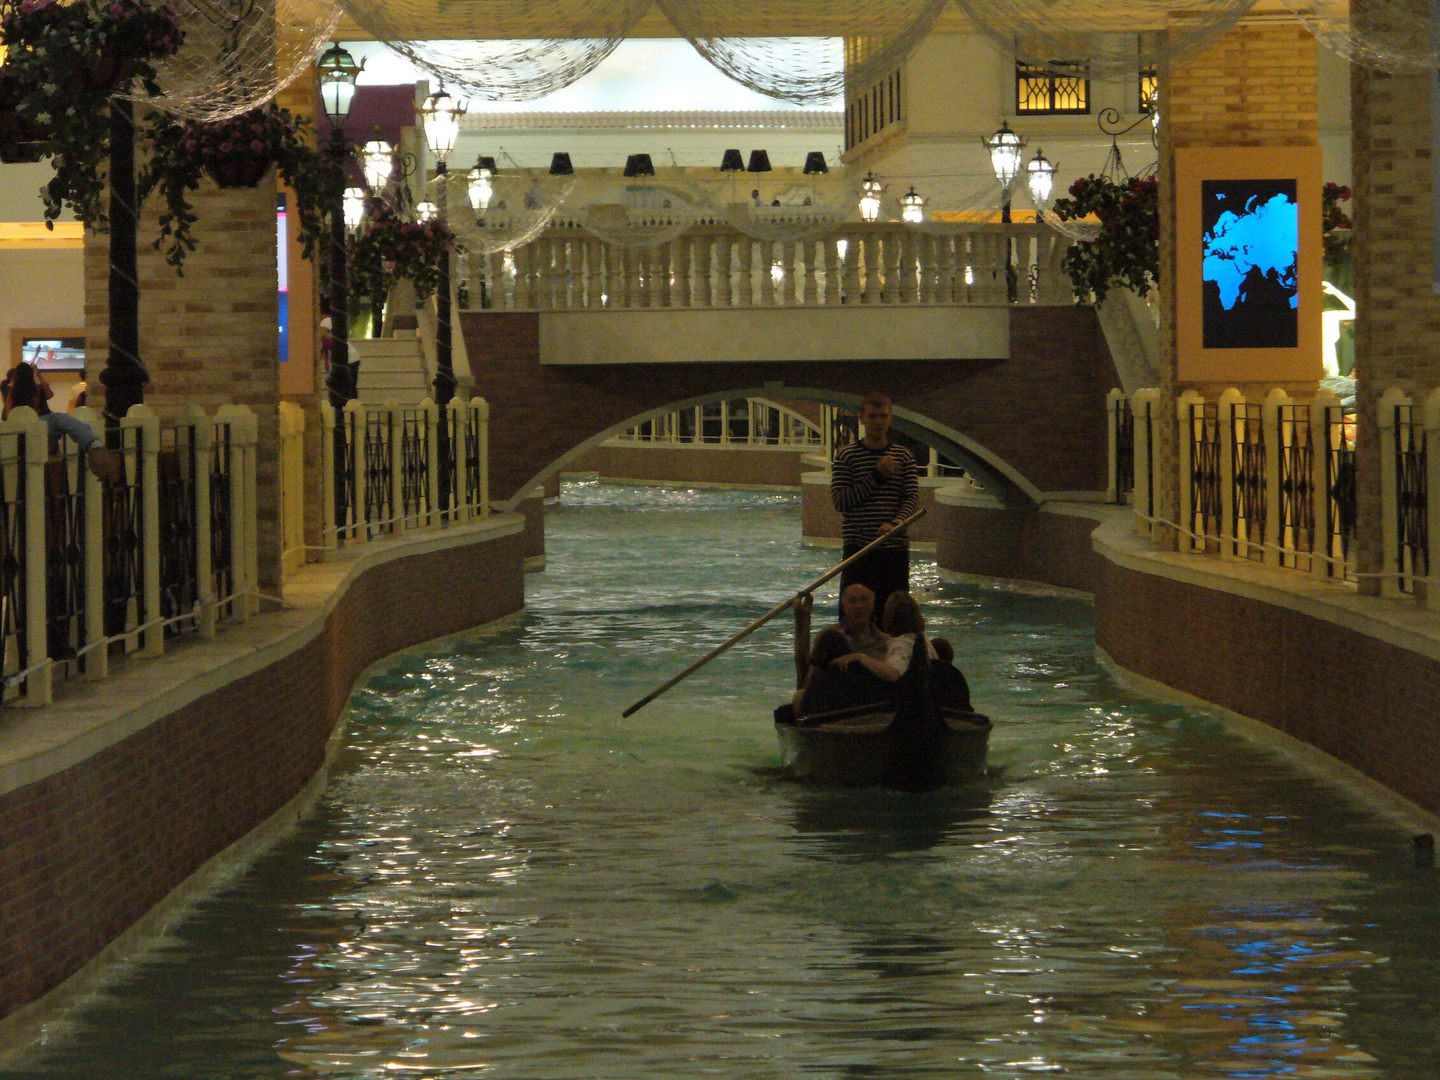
{"x":869,"y":250}
{"x":709,"y":281}
{"x":543,"y":267}
{"x":680,"y":267}
{"x":524,"y":298}
{"x":830,"y":263}
{"x":890,"y":260}
{"x":945,"y":269}
{"x":765,"y":271}
{"x":850,"y":273}
{"x":615,"y":276}
{"x":594,"y":272}
{"x":745,"y":281}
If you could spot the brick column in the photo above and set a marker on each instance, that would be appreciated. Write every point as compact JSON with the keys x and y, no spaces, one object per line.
{"x":210,"y":336}
{"x":1256,"y":86}
{"x":1397,"y":320}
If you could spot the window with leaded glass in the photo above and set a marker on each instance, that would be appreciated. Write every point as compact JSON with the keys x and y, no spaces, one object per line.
{"x":1056,"y":88}
{"x":1149,"y":87}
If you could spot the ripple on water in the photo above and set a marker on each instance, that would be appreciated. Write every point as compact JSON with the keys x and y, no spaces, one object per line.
{"x":506,"y":879}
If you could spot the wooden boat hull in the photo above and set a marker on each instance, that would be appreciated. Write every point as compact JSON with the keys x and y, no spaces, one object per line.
{"x":865,"y":751}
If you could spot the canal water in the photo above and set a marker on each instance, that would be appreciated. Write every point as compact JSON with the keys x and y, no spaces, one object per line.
{"x":507,"y":880}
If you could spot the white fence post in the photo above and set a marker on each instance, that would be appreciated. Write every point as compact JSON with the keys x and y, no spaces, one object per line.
{"x":142,"y":419}
{"x":1145,"y":407}
{"x":292,"y":487}
{"x":1189,"y":424}
{"x":1229,"y":527}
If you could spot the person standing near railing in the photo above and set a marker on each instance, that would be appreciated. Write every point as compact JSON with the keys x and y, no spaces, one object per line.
{"x":26,"y":386}
{"x":874,"y":485}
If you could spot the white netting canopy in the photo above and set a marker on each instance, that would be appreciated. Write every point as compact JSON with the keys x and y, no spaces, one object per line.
{"x":1387,"y":35}
{"x":239,"y":53}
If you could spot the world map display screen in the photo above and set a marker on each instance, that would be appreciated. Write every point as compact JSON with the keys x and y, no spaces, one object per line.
{"x":1250,"y":238}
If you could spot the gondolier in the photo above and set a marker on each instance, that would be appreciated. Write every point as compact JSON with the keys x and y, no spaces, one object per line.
{"x":873,"y":484}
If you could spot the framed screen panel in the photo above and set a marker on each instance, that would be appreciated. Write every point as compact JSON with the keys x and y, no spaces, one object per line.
{"x":1248,"y":264}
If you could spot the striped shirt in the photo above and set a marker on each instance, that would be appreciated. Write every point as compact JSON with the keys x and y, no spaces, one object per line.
{"x":866,"y":500}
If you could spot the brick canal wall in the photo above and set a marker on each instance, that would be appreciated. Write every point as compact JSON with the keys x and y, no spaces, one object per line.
{"x":1355,"y":677}
{"x":97,"y":830}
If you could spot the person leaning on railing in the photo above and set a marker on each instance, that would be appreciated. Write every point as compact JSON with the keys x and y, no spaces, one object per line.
{"x":26,"y":386}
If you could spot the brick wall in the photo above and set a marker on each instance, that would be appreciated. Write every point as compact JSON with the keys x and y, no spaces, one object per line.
{"x":209,"y":337}
{"x":1377,"y":708}
{"x":1256,"y":86}
{"x":86,"y":852}
{"x":1018,"y":544}
{"x":1042,"y":410}
{"x":1397,"y":322}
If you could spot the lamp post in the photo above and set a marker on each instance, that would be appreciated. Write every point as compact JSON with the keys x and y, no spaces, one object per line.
{"x":441,"y":117}
{"x":1005,"y":148}
{"x":913,"y":212}
{"x":338,"y":71}
{"x":870,"y":199}
{"x":1040,"y":177}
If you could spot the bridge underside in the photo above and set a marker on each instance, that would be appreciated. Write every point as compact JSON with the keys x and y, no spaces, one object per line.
{"x":1036,"y":417}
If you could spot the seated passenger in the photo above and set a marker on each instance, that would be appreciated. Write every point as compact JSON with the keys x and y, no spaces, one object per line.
{"x":903,"y":623}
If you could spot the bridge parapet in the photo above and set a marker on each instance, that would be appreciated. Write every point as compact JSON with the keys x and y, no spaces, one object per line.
{"x":688,"y":266}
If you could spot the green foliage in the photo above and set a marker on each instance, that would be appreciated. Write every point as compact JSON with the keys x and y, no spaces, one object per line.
{"x":390,"y":248}
{"x":1335,"y":222}
{"x":1126,"y":252}
{"x":182,"y":151}
{"x":64,"y":62}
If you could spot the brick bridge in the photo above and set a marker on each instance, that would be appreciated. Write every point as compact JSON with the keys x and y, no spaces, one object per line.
{"x":1021,"y":403}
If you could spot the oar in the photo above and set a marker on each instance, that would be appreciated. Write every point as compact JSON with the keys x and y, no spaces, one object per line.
{"x":776,"y":610}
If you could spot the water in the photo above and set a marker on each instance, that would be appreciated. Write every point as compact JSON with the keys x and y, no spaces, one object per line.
{"x":506,"y":880}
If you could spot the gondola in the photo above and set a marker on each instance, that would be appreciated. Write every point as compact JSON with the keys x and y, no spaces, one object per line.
{"x":848,"y":737}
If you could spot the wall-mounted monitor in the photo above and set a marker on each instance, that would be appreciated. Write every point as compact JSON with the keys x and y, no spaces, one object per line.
{"x":49,"y":350}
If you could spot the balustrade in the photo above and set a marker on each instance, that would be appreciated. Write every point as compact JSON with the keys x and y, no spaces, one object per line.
{"x":713,"y":266}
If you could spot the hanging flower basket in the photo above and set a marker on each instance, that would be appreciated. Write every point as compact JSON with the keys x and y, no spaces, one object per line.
{"x":391,"y":248}
{"x":235,"y":153}
{"x":238,"y":172}
{"x":1126,"y":252}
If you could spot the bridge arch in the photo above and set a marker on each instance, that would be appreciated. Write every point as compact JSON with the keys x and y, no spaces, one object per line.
{"x":1025,"y":425}
{"x":987,"y":469}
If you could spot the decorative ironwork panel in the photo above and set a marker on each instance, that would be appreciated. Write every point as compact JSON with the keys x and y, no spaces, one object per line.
{"x":222,"y":524}
{"x":179,"y":557}
{"x":1340,"y":489}
{"x":379,"y":469}
{"x":414,"y":464}
{"x":1124,"y":423}
{"x":1412,"y":552}
{"x":64,"y":559}
{"x":1057,"y":88}
{"x":1205,"y":501}
{"x":1247,"y":480}
{"x":13,"y":550}
{"x":1296,"y":526}
{"x":472,"y":460}
{"x":349,"y":477}
{"x":122,"y":562}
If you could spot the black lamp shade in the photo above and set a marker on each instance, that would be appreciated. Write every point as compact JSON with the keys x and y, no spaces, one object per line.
{"x":487,"y":163}
{"x":759,"y":161}
{"x":732,"y":162}
{"x":815,"y":163}
{"x":639,"y":165}
{"x":560,"y":164}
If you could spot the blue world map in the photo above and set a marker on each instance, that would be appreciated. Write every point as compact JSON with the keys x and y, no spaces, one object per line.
{"x":1260,"y":236}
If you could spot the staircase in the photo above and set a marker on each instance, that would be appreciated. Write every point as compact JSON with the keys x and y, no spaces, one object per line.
{"x":392,"y":370}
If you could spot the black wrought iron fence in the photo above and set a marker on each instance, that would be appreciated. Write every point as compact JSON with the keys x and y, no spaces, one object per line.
{"x":1339,"y":539}
{"x":1412,"y":549}
{"x":379,"y":504}
{"x":65,"y":522}
{"x":1206,"y":502}
{"x":1296,"y":495}
{"x":1122,"y":420}
{"x":179,"y":550}
{"x":222,"y":520}
{"x":415,"y":496}
{"x":1247,"y":480}
{"x":122,"y":553}
{"x":14,"y":555}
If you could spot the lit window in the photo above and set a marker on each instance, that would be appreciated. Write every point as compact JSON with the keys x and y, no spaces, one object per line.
{"x":1058,"y":87}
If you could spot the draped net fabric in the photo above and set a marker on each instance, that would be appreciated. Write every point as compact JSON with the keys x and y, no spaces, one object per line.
{"x":239,"y":53}
{"x":1388,"y":35}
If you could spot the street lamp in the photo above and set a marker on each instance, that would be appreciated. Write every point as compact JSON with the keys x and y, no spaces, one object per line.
{"x":354,"y":207}
{"x":379,"y":157}
{"x":441,"y":117}
{"x":1005,"y":149}
{"x":913,"y":212}
{"x":870,"y":200}
{"x":1040,"y":177}
{"x":480,"y":189}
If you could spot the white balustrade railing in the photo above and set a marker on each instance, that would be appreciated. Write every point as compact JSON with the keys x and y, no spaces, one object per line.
{"x":87,"y":567}
{"x":715,"y":266}
{"x":736,"y":422}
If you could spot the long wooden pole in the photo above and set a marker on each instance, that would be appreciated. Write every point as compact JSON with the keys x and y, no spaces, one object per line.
{"x":776,"y":610}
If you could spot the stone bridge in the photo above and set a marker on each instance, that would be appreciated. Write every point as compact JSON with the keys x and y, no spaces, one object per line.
{"x":1013,"y":391}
